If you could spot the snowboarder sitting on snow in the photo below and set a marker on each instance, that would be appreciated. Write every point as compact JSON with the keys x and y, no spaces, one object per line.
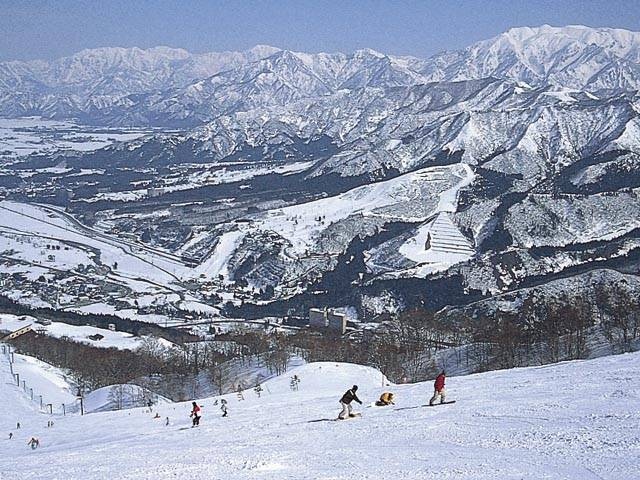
{"x":385,"y":399}
{"x":194,"y":414}
{"x":438,"y":387}
{"x":348,"y":397}
{"x":34,"y":443}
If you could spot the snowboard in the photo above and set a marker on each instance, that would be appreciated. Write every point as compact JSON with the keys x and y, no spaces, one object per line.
{"x":355,"y":415}
{"x":440,"y":403}
{"x":426,"y":405}
{"x":189,"y":428}
{"x":350,"y":417}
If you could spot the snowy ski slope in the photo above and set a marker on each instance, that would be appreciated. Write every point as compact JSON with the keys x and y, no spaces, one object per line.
{"x":410,"y":197}
{"x":575,"y":420}
{"x":447,"y":246}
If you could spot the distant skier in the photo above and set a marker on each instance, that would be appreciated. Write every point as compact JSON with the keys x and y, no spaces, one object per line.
{"x":438,"y":388}
{"x":385,"y":399}
{"x":195,"y":415}
{"x":348,"y":397}
{"x":18,"y":425}
{"x":223,"y":407}
{"x":10,"y":435}
{"x":166,"y":423}
{"x":34,"y":443}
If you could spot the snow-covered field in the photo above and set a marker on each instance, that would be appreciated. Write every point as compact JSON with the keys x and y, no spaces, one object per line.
{"x":27,"y":231}
{"x":24,"y":136}
{"x":56,"y":388}
{"x":211,"y":174}
{"x":77,"y":333}
{"x":576,"y":420}
{"x":36,"y":240}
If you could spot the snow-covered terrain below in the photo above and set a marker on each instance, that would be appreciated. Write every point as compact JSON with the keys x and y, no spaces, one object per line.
{"x":78,"y":333}
{"x":437,"y":245}
{"x":28,"y":135}
{"x":42,"y":241}
{"x":566,"y":421}
{"x":39,"y":240}
{"x":350,"y":177}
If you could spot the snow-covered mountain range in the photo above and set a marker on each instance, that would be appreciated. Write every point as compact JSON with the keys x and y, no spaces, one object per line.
{"x":362,"y":179}
{"x":574,"y":57}
{"x":162,"y":85}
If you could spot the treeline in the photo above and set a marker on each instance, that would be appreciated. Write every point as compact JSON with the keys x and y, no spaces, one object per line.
{"x":414,"y":345}
{"x":175,"y":372}
{"x":89,"y":366}
{"x":408,"y":347}
{"x":551,"y":330}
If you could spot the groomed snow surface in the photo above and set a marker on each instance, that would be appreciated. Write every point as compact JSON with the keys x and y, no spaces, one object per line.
{"x":576,"y":420}
{"x":437,"y":245}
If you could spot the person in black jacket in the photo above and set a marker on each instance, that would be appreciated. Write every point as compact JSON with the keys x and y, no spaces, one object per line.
{"x":345,"y":401}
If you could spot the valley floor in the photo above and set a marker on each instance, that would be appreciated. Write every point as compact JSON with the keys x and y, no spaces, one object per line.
{"x":575,"y":420}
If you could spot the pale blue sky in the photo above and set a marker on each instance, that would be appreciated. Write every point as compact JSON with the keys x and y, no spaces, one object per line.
{"x":49,"y":29}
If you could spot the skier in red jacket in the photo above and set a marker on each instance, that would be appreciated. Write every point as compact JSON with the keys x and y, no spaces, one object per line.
{"x":195,"y":415}
{"x":439,"y":391}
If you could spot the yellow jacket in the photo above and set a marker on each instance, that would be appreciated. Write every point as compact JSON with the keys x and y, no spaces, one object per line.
{"x":386,"y":397}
